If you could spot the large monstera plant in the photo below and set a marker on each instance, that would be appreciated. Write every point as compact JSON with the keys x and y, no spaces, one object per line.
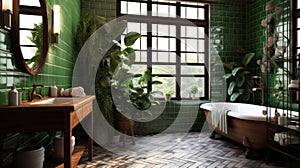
{"x":239,"y":79}
{"x":119,"y":55}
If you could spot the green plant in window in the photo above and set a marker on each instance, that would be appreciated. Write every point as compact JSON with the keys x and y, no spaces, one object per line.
{"x":239,"y":79}
{"x":169,"y":93}
{"x":194,"y":90}
{"x":37,"y":39}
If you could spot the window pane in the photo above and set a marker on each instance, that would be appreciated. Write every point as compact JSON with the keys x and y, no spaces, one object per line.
{"x":201,"y":13}
{"x":124,"y":8}
{"x":192,"y":58}
{"x":30,"y":3}
{"x":164,"y":69}
{"x":164,"y":57}
{"x":28,"y":52}
{"x":189,"y":45}
{"x":298,"y":23}
{"x":163,"y":44}
{"x":191,"y":13}
{"x":143,"y":56}
{"x":168,"y":84}
{"x":25,"y":36}
{"x":133,"y":27}
{"x":188,"y":82}
{"x":298,"y":5}
{"x":28,"y":21}
{"x":163,"y":10}
{"x":137,"y":68}
{"x":192,"y":70}
{"x":298,"y":38}
{"x":192,"y":32}
{"x":201,"y":46}
{"x":134,"y":8}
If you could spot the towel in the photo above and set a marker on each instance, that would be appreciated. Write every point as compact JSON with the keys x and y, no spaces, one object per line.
{"x":284,"y":139}
{"x":219,"y":118}
{"x":74,"y":92}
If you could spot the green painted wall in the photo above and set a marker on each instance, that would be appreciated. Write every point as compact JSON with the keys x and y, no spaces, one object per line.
{"x":58,"y":69}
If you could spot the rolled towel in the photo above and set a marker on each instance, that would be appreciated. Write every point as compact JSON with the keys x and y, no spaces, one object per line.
{"x":74,"y":92}
{"x":284,"y":139}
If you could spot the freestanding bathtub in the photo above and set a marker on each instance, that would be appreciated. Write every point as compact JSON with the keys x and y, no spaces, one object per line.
{"x":246,"y":124}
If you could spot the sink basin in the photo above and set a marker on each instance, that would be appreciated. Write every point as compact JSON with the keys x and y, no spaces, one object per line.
{"x":56,"y":100}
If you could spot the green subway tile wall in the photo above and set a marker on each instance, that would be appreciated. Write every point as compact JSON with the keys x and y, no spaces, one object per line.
{"x":228,"y":28}
{"x":58,"y":69}
{"x":104,"y":8}
{"x":60,"y":59}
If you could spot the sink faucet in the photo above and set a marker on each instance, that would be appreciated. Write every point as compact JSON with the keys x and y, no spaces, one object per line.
{"x":258,"y":86}
{"x":34,"y":95}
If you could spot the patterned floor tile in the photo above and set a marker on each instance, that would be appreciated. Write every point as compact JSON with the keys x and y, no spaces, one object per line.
{"x":190,"y":150}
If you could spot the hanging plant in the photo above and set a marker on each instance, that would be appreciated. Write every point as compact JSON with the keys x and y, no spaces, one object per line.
{"x":276,"y":42}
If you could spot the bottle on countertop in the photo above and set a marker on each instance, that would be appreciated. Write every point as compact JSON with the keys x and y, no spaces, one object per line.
{"x":13,"y":98}
{"x":53,"y":90}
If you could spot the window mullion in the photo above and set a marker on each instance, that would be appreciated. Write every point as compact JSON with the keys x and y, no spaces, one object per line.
{"x":178,"y":56}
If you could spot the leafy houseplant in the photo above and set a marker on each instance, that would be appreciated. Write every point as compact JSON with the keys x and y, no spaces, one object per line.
{"x":240,"y":82}
{"x":169,"y":94}
{"x":193,"y":91}
{"x":117,"y":56}
{"x":88,"y":24}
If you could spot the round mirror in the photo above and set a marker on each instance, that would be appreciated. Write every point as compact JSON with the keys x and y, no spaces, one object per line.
{"x":29,"y":34}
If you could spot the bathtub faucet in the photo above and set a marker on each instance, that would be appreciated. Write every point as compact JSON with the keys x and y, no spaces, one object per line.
{"x":258,"y":86}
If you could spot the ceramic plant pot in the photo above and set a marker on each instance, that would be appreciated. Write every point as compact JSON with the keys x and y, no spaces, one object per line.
{"x":29,"y":157}
{"x":58,"y":146}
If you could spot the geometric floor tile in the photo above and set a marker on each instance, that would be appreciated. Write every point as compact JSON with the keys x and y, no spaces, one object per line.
{"x":174,"y":150}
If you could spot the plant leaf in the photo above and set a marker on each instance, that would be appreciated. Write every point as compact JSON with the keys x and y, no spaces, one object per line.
{"x":231,"y":87}
{"x":234,"y":96}
{"x":247,"y":58}
{"x":227,"y":76}
{"x":156,"y":82}
{"x":131,"y":37}
{"x":240,"y":79}
{"x":236,"y":70}
{"x":246,"y":96}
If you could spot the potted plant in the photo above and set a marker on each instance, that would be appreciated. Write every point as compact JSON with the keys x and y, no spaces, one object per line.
{"x":239,"y":79}
{"x":193,"y":91}
{"x":168,"y":95}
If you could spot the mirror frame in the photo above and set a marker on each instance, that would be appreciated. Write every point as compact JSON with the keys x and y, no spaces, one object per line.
{"x":15,"y":35}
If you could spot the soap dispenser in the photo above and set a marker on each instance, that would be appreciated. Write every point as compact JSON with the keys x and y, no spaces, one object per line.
{"x":53,"y":90}
{"x":13,"y":97}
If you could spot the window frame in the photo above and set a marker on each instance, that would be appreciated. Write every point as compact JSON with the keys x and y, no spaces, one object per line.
{"x":295,"y":60}
{"x":177,"y":23}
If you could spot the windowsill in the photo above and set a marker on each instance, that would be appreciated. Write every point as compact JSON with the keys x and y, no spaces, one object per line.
{"x":189,"y":102}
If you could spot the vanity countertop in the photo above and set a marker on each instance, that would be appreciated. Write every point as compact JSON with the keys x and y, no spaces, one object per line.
{"x":71,"y":105}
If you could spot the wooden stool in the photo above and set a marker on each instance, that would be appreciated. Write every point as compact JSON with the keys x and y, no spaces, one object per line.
{"x":124,"y":125}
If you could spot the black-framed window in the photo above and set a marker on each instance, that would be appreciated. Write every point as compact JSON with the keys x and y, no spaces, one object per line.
{"x":295,"y":11}
{"x":174,"y":43}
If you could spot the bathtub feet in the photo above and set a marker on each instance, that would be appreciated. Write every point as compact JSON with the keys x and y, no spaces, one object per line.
{"x":249,"y":153}
{"x":212,"y":135}
{"x":248,"y":146}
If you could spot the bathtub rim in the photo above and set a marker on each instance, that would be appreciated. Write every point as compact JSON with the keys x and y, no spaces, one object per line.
{"x":243,"y":116}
